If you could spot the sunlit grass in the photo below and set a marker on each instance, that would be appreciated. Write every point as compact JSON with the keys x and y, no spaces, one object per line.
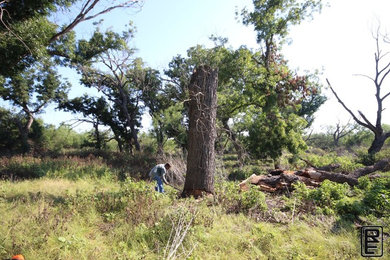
{"x":96,"y":216}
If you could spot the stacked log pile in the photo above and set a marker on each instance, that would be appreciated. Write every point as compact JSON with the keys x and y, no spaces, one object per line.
{"x":280,"y":180}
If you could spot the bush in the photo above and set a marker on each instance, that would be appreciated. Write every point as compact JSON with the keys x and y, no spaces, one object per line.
{"x":238,"y":175}
{"x":325,"y":198}
{"x":350,"y":208}
{"x":370,"y":197}
{"x":347,"y":163}
{"x":22,"y":167}
{"x":377,"y":197}
{"x":329,"y":193}
{"x":236,"y":201}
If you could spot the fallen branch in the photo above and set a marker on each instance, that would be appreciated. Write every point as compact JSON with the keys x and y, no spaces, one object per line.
{"x":279,"y":180}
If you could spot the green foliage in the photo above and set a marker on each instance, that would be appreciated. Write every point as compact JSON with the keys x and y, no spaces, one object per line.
{"x":323,"y":141}
{"x":328,"y":193}
{"x":9,"y":133}
{"x":327,"y":199}
{"x":128,"y":220}
{"x":367,"y":159}
{"x":23,"y":167}
{"x":268,"y":101}
{"x":122,"y":79}
{"x":377,"y":196}
{"x":236,"y":201}
{"x":272,"y":18}
{"x":359,"y":138}
{"x":383,"y":154}
{"x":270,"y":134}
{"x":370,"y":197}
{"x":170,"y":123}
{"x":59,"y":139}
{"x":347,"y":163}
{"x":243,"y":172}
{"x":31,"y":34}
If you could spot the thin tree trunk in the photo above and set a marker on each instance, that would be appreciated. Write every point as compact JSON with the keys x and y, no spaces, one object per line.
{"x":134,"y":136}
{"x":202,"y":132}
{"x":160,"y":140}
{"x":124,"y":102}
{"x":236,"y":145}
{"x":23,"y":131}
{"x":98,"y":139}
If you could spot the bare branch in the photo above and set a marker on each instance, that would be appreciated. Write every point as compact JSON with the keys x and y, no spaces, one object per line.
{"x":385,"y":96}
{"x":385,"y":68}
{"x":86,"y":9}
{"x":363,"y":75}
{"x":2,"y":11}
{"x":349,"y":110}
{"x":372,"y":127}
{"x":383,"y":55}
{"x":384,"y":76}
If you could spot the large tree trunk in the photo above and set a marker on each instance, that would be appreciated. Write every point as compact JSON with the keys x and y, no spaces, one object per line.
{"x":202,"y":132}
{"x":378,"y":143}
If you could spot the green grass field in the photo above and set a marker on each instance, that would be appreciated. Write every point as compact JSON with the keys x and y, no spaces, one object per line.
{"x":83,"y":211}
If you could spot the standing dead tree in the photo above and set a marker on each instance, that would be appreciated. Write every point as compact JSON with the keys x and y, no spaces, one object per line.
{"x":341,"y":131}
{"x":202,"y":132}
{"x":381,"y":73}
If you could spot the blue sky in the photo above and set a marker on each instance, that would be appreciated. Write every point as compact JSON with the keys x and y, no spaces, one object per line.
{"x":337,"y":42}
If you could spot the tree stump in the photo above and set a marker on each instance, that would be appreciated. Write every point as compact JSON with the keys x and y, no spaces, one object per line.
{"x":202,"y":132}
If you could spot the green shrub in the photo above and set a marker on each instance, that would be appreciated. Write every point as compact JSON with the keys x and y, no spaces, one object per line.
{"x":239,"y":174}
{"x":366,"y":158}
{"x":350,"y":208}
{"x":347,"y":163}
{"x":377,"y":197}
{"x":236,"y":201}
{"x":329,"y":193}
{"x":230,"y":157}
{"x":22,"y":167}
{"x":383,"y":154}
{"x":325,"y":198}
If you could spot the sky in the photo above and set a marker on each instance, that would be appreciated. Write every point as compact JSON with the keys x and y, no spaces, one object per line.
{"x":337,"y":42}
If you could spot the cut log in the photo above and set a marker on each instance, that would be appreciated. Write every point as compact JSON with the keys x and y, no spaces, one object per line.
{"x":282,"y":180}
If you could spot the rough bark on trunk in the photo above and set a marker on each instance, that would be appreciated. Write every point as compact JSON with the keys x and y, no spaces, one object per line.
{"x":378,"y":143}
{"x":202,"y":132}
